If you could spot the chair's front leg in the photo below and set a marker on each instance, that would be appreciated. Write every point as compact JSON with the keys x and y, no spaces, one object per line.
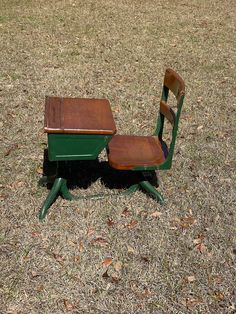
{"x":150,"y":189}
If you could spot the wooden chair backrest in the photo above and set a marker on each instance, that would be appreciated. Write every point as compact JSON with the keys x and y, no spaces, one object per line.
{"x":167,"y":111}
{"x":174,"y":83}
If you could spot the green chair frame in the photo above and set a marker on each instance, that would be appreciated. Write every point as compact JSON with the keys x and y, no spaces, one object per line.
{"x":175,"y":84}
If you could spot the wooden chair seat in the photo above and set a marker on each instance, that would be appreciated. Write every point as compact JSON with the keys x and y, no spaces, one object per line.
{"x":125,"y":152}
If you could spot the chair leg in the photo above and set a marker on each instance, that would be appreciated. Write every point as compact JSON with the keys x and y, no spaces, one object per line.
{"x":150,"y":189}
{"x":51,"y":197}
{"x":133,"y":188}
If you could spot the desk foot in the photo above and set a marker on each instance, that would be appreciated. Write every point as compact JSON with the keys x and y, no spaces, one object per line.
{"x":133,"y":188}
{"x":51,"y":197}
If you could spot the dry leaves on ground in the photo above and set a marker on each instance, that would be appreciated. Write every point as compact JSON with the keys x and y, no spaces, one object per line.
{"x":199,"y":245}
{"x":107,"y":262}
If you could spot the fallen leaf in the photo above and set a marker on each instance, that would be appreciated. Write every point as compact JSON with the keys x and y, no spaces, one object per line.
{"x":59,"y":258}
{"x":115,"y":278}
{"x":230,"y":162}
{"x":132,"y":224}
{"x":90,"y":232}
{"x":39,"y":170}
{"x":156,"y":214}
{"x":34,"y":274}
{"x":199,"y":245}
{"x":126,"y":212}
{"x":107,"y":262}
{"x":36,"y":234}
{"x":81,"y":246}
{"x":76,"y":258}
{"x":224,"y":80}
{"x":69,"y":306}
{"x":2,"y":197}
{"x":191,"y":278}
{"x":118,"y":266}
{"x":215,"y":279}
{"x":11,"y":114}
{"x":40,"y":288}
{"x":99,"y":241}
{"x":191,"y":302}
{"x":190,"y":211}
{"x":117,"y":109}
{"x":199,"y":239}
{"x":218,"y":296}
{"x":184,"y":222}
{"x":110,"y":222}
{"x":146,"y":292}
{"x":200,"y":127}
{"x":143,"y":213}
{"x":145,"y":259}
{"x":130,"y":249}
{"x":17,"y":184}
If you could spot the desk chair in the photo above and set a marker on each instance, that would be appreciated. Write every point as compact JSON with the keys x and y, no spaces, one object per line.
{"x":148,"y":153}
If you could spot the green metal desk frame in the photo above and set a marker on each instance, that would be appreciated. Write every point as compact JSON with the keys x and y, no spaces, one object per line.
{"x":77,"y":129}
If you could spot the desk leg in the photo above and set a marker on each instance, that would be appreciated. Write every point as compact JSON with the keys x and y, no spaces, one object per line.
{"x":65,"y":191}
{"x":51,"y":197}
{"x":60,"y":186}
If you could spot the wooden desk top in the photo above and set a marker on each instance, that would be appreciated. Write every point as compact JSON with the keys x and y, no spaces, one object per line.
{"x":78,"y":115}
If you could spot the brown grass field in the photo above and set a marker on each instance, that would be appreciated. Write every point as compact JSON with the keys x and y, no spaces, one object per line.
{"x":119,"y":255}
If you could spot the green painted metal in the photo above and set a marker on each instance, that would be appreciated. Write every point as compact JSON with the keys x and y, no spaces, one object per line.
{"x":160,"y":125}
{"x":148,"y":187}
{"x":159,"y":131}
{"x":51,"y":197}
{"x":63,"y":146}
{"x":133,"y":188}
{"x":60,"y":187}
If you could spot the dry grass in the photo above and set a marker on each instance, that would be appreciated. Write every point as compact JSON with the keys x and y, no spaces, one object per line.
{"x":180,"y":262}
